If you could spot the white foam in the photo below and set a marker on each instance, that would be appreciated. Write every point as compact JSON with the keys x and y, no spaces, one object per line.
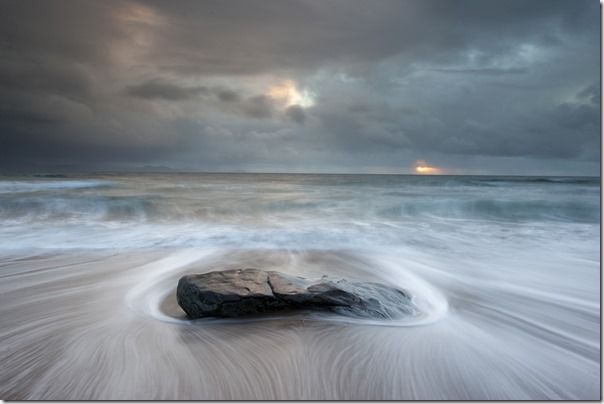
{"x":44,"y":185}
{"x":150,"y":286}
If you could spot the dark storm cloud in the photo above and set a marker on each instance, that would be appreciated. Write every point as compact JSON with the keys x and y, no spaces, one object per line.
{"x":166,"y":91}
{"x":296,"y":113}
{"x":510,"y":83}
{"x":265,"y":35}
{"x":227,"y":95}
{"x":485,"y":71}
{"x":259,"y":106}
{"x":45,"y":77}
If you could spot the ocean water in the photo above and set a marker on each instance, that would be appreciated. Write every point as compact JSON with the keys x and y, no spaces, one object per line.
{"x":505,"y":270}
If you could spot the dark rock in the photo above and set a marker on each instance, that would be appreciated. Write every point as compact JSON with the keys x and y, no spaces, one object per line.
{"x":241,"y":292}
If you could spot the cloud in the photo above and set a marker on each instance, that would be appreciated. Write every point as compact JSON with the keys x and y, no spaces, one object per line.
{"x":485,"y":71}
{"x":40,"y":76}
{"x":164,"y":91}
{"x":226,"y":95}
{"x":188,"y":82}
{"x":296,"y":113}
{"x":260,"y":106}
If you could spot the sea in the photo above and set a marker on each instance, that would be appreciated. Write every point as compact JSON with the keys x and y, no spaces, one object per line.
{"x":505,"y":272}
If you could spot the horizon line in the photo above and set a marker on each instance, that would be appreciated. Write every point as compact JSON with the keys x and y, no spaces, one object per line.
{"x":174,"y":171}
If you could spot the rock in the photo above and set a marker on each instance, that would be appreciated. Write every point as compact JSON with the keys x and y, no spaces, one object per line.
{"x":241,"y":292}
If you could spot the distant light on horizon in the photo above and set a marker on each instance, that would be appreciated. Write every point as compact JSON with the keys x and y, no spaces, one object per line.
{"x":421,"y":167}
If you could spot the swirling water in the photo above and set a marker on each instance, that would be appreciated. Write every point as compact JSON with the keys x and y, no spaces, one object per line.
{"x":505,"y":269}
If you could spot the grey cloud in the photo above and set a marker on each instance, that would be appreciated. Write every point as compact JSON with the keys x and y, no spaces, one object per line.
{"x":162,"y":90}
{"x":23,"y":117}
{"x":70,"y":30}
{"x":259,"y":106}
{"x":266,"y":35}
{"x":296,"y":113}
{"x":469,"y":80}
{"x":484,"y":71}
{"x":225,"y":95}
{"x":591,"y":94}
{"x":159,"y":89}
{"x":45,"y":77}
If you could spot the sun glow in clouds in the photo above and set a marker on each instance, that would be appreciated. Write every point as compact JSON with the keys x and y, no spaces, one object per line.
{"x":421,"y":167}
{"x":288,"y":93}
{"x":140,"y":25}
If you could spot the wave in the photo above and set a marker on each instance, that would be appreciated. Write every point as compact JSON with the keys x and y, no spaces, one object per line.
{"x":537,"y":180}
{"x":500,"y":210}
{"x":86,"y":208}
{"x":157,"y":209}
{"x":273,"y":212}
{"x":50,"y":175}
{"x":34,"y":186}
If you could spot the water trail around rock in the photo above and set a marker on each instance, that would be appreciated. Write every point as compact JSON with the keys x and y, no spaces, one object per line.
{"x":154,"y":282}
{"x":154,"y":293}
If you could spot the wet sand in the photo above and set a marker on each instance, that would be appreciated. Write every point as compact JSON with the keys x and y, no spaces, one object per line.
{"x":104,"y":325}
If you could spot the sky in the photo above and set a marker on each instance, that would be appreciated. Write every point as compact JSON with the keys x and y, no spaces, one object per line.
{"x":506,"y":87}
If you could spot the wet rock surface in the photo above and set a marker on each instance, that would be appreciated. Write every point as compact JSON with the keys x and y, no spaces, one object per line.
{"x":243,"y":292}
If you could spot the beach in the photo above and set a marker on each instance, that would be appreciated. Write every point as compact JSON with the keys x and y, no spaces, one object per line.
{"x":506,"y":271}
